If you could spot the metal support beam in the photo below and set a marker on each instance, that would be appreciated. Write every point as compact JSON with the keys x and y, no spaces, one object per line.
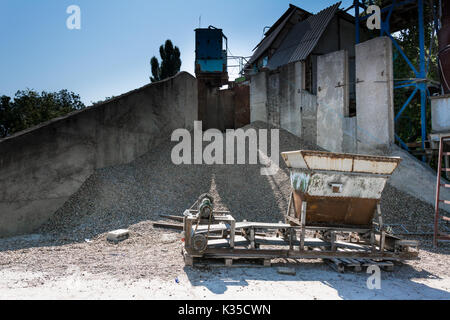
{"x":420,"y":72}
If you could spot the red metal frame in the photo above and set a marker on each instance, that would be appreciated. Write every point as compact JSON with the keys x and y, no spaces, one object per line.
{"x":437,"y":234}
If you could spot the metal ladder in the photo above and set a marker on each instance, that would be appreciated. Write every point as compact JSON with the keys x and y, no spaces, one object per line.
{"x":438,"y":235}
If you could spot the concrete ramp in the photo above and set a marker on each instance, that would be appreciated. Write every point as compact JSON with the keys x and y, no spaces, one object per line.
{"x":415,"y":178}
{"x":40,"y":168}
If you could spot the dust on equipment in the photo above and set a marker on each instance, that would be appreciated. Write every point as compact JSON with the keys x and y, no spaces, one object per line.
{"x":333,"y":214}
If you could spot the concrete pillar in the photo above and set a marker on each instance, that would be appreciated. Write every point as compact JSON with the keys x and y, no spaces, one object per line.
{"x":332,"y":100}
{"x":374,"y":95}
{"x":309,"y":116}
{"x":274,"y":97}
{"x":258,"y":97}
{"x":290,"y":96}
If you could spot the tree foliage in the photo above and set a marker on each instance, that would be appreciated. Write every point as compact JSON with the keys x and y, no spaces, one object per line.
{"x":408,"y":128}
{"x":409,"y":125}
{"x":29,"y":108}
{"x":170,"y":62}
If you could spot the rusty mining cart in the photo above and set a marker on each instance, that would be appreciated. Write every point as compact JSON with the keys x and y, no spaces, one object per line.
{"x":333,"y":214}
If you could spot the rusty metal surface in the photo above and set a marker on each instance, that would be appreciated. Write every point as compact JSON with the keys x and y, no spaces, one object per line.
{"x":241,"y":106}
{"x":319,"y":160}
{"x":339,"y":189}
{"x":331,"y":211}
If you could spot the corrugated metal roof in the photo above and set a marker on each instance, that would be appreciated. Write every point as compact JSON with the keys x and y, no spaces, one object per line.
{"x":302,"y":39}
{"x":267,"y":41}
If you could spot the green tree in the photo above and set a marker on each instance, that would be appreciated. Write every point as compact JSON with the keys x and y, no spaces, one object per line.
{"x":29,"y":108}
{"x":170,"y":62}
{"x":408,"y":127}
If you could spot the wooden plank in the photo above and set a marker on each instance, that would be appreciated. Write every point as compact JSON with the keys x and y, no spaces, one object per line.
{"x":303,"y":224}
{"x":292,"y":220}
{"x":188,"y":260}
{"x":405,"y":242}
{"x":225,"y":243}
{"x":174,"y":226}
{"x":335,"y":264}
{"x":288,"y":212}
{"x":261,"y":225}
{"x":213,"y":228}
{"x":294,"y":254}
{"x":338,"y":229}
{"x":333,"y":241}
{"x":171,"y":217}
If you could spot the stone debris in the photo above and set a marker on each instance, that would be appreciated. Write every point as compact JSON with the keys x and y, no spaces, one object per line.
{"x":168,"y":238}
{"x":287,"y":270}
{"x":118,"y":235}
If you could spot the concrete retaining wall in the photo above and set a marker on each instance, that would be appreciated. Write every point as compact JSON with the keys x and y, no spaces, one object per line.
{"x":42,"y":167}
{"x":374,"y":95}
{"x":332,"y":100}
{"x":258,"y":97}
{"x":416,"y":178}
{"x":277,"y":97}
{"x":224,"y":108}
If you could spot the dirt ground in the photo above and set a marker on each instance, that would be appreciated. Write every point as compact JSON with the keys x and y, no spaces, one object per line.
{"x":69,"y":257}
{"x":149,"y":265}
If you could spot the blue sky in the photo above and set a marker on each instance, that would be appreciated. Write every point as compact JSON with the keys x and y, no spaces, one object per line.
{"x":110,"y":54}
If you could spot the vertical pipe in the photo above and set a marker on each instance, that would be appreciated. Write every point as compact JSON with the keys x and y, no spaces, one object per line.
{"x":422,"y":75}
{"x":356,"y":4}
{"x":423,"y":116}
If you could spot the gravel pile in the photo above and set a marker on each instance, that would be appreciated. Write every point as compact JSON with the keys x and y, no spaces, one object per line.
{"x":133,"y":195}
{"x":121,"y":196}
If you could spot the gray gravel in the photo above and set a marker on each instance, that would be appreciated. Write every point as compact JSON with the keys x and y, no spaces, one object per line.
{"x":118,"y":197}
{"x":133,"y":195}
{"x":121,"y":196}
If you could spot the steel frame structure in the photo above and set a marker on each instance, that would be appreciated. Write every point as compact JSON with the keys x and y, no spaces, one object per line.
{"x":420,"y":82}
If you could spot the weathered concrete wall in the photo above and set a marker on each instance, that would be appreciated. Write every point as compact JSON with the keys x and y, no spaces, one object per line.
{"x":226,"y":109}
{"x":374,"y":95}
{"x":42,"y":167}
{"x":308,"y":109}
{"x":416,"y":178}
{"x":241,"y":105}
{"x":349,"y":140}
{"x":222,"y":110}
{"x":274,"y":97}
{"x":258,"y":97}
{"x":277,"y":97}
{"x":333,"y":128}
{"x":290,"y":115}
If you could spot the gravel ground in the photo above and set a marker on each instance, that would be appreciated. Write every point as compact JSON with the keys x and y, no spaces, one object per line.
{"x":134,"y":195}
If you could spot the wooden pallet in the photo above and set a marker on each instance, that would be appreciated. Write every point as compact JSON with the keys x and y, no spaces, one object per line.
{"x":357,"y":265}
{"x":194,"y":261}
{"x":229,"y":263}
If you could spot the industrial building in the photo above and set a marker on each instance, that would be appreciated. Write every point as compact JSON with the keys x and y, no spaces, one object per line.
{"x":348,"y":190}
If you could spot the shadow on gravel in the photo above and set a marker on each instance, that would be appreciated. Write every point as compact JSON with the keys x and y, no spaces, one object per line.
{"x":310,"y":279}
